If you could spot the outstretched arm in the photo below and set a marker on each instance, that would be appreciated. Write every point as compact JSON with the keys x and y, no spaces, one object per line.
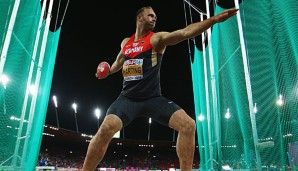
{"x":165,"y":38}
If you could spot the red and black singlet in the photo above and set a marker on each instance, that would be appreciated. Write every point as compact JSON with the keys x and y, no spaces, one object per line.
{"x":141,"y":69}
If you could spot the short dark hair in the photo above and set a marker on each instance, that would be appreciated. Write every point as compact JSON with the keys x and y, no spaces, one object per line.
{"x":142,"y":10}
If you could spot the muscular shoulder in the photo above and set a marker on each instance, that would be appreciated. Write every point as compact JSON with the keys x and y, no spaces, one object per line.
{"x":157,"y":41}
{"x":124,"y":41}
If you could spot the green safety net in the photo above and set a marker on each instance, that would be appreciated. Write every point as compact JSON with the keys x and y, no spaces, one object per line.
{"x":28,"y":62}
{"x":246,"y":97}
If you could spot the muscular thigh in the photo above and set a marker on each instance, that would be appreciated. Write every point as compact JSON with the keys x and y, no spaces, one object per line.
{"x":160,"y":109}
{"x":126,"y":109}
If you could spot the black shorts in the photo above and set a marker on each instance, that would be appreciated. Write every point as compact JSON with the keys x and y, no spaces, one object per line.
{"x":159,"y":109}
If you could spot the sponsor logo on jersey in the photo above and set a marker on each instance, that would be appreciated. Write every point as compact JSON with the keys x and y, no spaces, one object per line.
{"x":133,"y":62}
{"x":133,"y":50}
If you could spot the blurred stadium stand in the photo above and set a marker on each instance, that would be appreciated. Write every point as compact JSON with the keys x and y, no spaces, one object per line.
{"x":66,"y":149}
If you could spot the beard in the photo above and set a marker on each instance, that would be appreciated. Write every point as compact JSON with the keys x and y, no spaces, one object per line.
{"x":149,"y":26}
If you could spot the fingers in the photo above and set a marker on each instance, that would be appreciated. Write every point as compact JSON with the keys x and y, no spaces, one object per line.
{"x":223,"y":16}
{"x":230,"y":12}
{"x":233,"y":11}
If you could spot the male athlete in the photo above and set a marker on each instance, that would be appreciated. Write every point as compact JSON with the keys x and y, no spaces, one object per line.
{"x":140,"y":59}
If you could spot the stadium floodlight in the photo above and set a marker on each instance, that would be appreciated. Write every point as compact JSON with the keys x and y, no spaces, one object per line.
{"x":201,"y":117}
{"x":55,"y":101}
{"x":280,"y":101}
{"x":4,"y":80}
{"x":149,"y":121}
{"x":97,"y":114}
{"x":74,"y":106}
{"x":32,"y":89}
{"x":228,"y":115}
{"x":56,"y":110}
{"x":255,"y":108}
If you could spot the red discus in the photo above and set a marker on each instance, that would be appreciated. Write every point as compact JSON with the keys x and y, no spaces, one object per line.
{"x":103,"y":70}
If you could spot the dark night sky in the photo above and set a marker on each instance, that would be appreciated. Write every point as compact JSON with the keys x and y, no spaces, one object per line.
{"x":91,"y":33}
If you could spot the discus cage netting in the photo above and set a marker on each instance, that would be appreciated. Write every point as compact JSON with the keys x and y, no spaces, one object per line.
{"x":28,"y":51}
{"x":245,"y":85}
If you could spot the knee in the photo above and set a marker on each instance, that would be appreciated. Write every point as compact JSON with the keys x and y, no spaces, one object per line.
{"x":110,"y":126}
{"x":189,"y":127}
{"x":183,"y":123}
{"x":105,"y":128}
{"x":108,"y":129}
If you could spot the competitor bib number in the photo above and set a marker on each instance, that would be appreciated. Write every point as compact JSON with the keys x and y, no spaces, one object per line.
{"x":132,"y":69}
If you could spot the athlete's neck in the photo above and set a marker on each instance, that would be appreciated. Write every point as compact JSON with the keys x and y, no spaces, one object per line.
{"x":140,"y":34}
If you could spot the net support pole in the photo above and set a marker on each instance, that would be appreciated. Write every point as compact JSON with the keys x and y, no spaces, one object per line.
{"x":248,"y":88}
{"x":24,"y":108}
{"x":206,"y":89}
{"x":8,"y":35}
{"x":214,"y":96}
{"x":37,"y":81}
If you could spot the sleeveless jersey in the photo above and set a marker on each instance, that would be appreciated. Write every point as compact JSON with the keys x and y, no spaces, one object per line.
{"x":141,"y":69}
